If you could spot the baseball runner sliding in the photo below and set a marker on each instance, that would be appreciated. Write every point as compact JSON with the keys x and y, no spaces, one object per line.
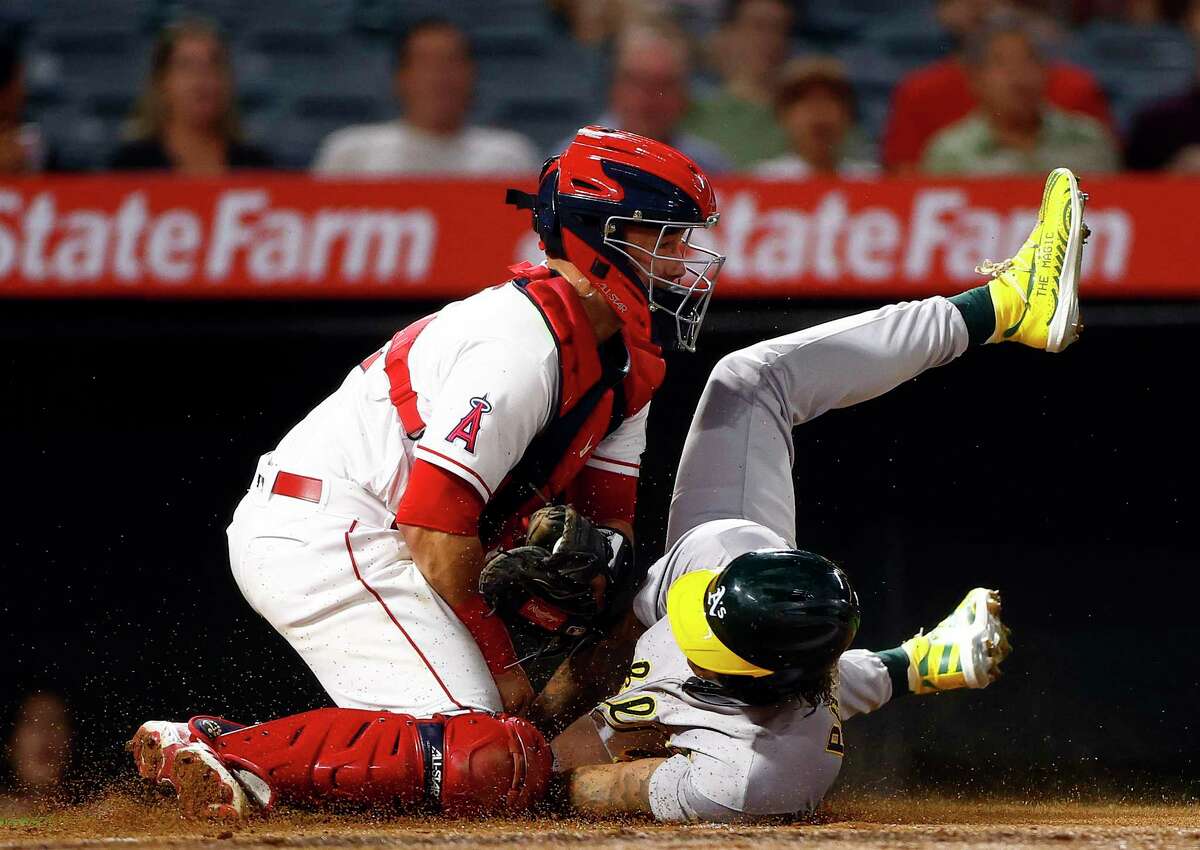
{"x":742,"y":682}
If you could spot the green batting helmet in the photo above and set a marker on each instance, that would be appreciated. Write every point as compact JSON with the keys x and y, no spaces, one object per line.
{"x":770,"y":611}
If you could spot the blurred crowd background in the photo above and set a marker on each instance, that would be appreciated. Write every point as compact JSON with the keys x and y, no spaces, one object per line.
{"x":777,"y":88}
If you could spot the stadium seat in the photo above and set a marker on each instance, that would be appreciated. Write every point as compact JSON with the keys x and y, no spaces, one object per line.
{"x":288,"y":54}
{"x":533,"y":93}
{"x":495,"y":25}
{"x":132,"y":15}
{"x":841,"y":23}
{"x":294,"y":139}
{"x":260,"y":122}
{"x":225,"y":13}
{"x":909,"y":44}
{"x":240,"y":16}
{"x":391,"y":16}
{"x":84,"y":141}
{"x":546,"y":120}
{"x":276,"y":76}
{"x":1136,"y":65}
{"x":83,"y":61}
{"x":872,"y":116}
{"x":58,"y":121}
{"x":870,"y":70}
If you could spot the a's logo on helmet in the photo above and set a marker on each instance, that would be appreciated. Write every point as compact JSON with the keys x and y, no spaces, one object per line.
{"x":715,"y":608}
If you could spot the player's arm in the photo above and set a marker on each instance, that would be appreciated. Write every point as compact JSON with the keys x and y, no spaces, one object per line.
{"x":586,"y":677}
{"x":492,"y":402}
{"x":675,"y":789}
{"x":612,"y":789}
{"x":663,"y":787}
{"x":451,"y":564}
{"x":593,"y":783}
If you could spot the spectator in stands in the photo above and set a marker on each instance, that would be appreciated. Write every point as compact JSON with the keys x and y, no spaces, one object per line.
{"x":932,"y":98}
{"x":185,"y":120}
{"x":39,"y":752}
{"x":751,"y":48}
{"x":1014,"y":130}
{"x":649,"y":94}
{"x":23,"y":148}
{"x":815,"y":104}
{"x":435,"y":81}
{"x":1166,"y":135}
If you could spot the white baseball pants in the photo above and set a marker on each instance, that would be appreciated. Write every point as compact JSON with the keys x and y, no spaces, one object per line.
{"x":334,"y":578}
{"x":737,"y":458}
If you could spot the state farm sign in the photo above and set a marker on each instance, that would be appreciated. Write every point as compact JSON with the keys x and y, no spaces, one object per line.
{"x":243,"y":235}
{"x":939,"y":236}
{"x":296,"y":236}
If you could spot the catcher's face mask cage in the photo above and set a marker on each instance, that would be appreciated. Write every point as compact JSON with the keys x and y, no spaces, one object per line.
{"x":679,"y":276}
{"x":609,"y":180}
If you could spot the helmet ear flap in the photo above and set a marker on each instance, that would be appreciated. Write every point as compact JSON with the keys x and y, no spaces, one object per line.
{"x":544,"y":206}
{"x":545,"y":214}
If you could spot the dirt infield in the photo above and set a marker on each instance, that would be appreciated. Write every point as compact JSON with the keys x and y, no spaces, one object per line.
{"x":846,"y":823}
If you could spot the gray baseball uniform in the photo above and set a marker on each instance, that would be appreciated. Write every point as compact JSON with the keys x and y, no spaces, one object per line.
{"x":733,"y":494}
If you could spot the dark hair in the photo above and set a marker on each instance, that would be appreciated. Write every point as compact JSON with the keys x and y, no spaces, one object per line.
{"x":10,"y":57}
{"x":731,"y":9}
{"x":1001,"y":24}
{"x":432,"y":22}
{"x":800,"y":76}
{"x":780,"y":687}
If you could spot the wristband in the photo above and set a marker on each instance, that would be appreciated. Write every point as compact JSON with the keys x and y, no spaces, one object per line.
{"x":490,"y":634}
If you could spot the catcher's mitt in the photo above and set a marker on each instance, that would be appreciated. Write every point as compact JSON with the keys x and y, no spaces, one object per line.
{"x":551,"y":581}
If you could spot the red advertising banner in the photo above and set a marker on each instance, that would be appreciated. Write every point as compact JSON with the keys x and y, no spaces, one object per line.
{"x":294,"y":236}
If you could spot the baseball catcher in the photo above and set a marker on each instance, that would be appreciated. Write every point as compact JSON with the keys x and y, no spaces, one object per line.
{"x":735,"y":701}
{"x":363,"y":535}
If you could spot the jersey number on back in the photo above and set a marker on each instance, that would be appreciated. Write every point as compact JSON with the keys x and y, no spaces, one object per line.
{"x":626,"y":712}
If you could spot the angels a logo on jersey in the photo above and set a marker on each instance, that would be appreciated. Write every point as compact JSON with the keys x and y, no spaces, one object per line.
{"x":468,"y":427}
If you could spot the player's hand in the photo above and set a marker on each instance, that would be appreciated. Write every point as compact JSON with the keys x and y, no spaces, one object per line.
{"x":516,"y":693}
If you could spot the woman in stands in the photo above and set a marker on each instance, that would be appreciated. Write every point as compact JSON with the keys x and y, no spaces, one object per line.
{"x":186,"y":120}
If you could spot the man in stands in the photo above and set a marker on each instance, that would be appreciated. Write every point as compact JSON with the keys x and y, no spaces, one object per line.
{"x":815,"y":103}
{"x":649,"y":94}
{"x":435,"y":81}
{"x":934,"y":97}
{"x":751,"y":48}
{"x":1014,"y":130}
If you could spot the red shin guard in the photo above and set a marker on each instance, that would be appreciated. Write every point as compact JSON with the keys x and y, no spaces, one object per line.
{"x":463,"y":763}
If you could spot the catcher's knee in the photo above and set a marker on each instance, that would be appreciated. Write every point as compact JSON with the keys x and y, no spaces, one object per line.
{"x":493,"y":764}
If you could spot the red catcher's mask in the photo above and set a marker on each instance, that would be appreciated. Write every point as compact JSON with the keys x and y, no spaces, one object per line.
{"x":592,"y":198}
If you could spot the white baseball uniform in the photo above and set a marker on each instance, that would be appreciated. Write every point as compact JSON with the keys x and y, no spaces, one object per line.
{"x":334,"y":576}
{"x":734,"y":493}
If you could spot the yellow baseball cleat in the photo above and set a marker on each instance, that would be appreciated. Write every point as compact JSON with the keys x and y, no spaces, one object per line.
{"x":962,"y":651}
{"x":1036,"y":293}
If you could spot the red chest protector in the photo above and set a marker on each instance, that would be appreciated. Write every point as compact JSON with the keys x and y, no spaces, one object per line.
{"x":593,"y":398}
